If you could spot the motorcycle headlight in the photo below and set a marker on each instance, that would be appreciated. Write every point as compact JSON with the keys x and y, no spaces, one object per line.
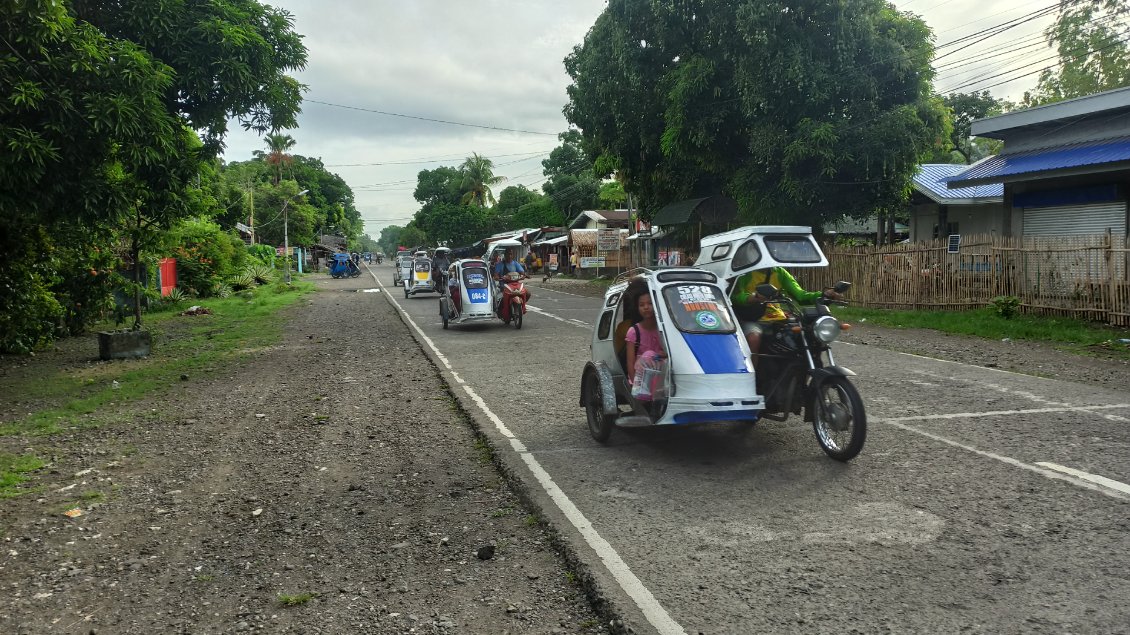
{"x":826,"y":329}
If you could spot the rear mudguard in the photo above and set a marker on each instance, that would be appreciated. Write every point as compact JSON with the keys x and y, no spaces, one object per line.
{"x":607,"y":387}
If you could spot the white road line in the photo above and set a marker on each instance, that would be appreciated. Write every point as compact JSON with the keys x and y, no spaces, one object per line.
{"x":1034,"y":397}
{"x":1094,"y":478}
{"x":652,"y":610}
{"x":1002,"y":413}
{"x":1042,"y":471}
{"x":575,"y":295}
{"x":547,"y":314}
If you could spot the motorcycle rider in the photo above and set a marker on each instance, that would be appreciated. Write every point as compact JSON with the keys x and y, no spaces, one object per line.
{"x":440,"y":263}
{"x":756,"y":313}
{"x":507,"y":265}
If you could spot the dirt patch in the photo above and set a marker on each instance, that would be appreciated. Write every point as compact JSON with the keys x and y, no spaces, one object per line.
{"x":325,"y":485}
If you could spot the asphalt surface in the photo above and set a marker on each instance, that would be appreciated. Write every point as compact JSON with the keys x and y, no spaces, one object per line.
{"x":962,"y":514}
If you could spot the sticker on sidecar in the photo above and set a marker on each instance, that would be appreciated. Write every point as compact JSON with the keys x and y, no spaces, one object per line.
{"x":476,"y":278}
{"x":478,"y":297}
{"x":707,"y":320}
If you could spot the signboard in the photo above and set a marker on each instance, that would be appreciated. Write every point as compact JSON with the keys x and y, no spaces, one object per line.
{"x":280,"y":252}
{"x":553,"y":262}
{"x":591,"y":262}
{"x":608,"y":240}
{"x":953,"y":245}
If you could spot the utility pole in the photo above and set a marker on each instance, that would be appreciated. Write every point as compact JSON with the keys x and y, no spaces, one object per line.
{"x":286,"y":235}
{"x":251,"y":200}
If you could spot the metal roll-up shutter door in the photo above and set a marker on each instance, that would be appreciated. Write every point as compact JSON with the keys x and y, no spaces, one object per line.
{"x":1072,"y":220}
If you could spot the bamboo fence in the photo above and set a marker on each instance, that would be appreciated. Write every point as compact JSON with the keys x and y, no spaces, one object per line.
{"x":1077,"y":276}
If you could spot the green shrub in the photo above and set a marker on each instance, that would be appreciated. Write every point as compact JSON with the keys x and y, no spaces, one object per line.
{"x":1006,"y":306}
{"x":261,"y":273}
{"x":83,"y":284}
{"x":241,"y":282}
{"x":205,"y":254}
{"x":265,"y":254}
{"x":29,"y":312}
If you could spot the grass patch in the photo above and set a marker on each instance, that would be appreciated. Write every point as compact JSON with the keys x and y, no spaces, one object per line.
{"x":295,"y":600}
{"x":1066,"y":333}
{"x":191,"y":345}
{"x":486,"y":455}
{"x":14,"y":470}
{"x":532,"y":520}
{"x":499,"y":513}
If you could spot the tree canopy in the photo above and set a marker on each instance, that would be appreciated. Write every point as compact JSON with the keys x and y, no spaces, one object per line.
{"x":1092,"y":40}
{"x":801,"y":110}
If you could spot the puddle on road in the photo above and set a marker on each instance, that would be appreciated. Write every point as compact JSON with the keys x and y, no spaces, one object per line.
{"x":365,"y":290}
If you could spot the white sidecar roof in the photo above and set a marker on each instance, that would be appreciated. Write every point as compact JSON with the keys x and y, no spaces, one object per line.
{"x":732,"y":253}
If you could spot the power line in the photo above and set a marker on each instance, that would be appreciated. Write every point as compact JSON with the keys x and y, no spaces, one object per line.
{"x":432,"y":160}
{"x":429,"y":119}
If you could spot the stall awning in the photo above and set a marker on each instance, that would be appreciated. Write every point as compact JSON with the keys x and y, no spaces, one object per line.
{"x":552,"y":241}
{"x":1099,"y":156}
{"x":711,"y":210}
{"x":655,"y":235}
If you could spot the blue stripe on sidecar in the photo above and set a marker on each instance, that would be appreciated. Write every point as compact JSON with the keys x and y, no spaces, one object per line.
{"x":717,"y":353}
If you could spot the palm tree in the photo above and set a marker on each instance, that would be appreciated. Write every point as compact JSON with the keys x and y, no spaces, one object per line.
{"x":278,"y":145}
{"x":478,"y":176}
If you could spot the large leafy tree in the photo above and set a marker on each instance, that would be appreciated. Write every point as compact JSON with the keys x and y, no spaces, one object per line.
{"x":965,"y":108}
{"x":478,"y":178}
{"x":802,"y":110}
{"x":230,"y":59}
{"x":100,"y":123}
{"x":571,"y":183}
{"x":1091,"y":40}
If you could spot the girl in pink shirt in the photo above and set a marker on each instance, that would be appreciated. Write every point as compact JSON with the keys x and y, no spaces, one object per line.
{"x":644,"y":345}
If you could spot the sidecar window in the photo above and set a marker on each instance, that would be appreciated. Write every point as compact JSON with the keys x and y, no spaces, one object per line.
{"x":604,"y":329}
{"x":423,"y":265}
{"x":698,"y":308}
{"x":786,"y":249}
{"x":746,"y":256}
{"x":475,"y":278}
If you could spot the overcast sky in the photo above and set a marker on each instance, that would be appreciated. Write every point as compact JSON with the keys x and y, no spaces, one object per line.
{"x":498,"y":63}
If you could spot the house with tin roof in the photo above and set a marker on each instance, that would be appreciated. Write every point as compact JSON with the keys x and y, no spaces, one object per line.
{"x":1064,"y":169}
{"x":937,"y":211}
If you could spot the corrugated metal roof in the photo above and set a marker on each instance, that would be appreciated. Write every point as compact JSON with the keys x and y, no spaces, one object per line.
{"x":998,"y":169}
{"x":931,"y":181}
{"x":711,"y":210}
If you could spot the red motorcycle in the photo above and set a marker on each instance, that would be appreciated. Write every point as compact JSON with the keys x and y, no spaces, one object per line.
{"x":511,"y":305}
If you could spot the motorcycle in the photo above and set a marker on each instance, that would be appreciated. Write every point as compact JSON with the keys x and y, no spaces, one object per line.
{"x":511,"y":303}
{"x":797,"y":372}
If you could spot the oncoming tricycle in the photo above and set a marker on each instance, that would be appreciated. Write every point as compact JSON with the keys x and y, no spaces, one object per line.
{"x":468,"y":294}
{"x":707,"y":376}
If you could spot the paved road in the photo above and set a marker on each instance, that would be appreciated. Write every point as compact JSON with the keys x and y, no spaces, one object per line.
{"x":961,"y":515}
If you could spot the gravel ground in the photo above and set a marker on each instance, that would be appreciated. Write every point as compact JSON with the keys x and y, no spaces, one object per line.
{"x":330,"y":472}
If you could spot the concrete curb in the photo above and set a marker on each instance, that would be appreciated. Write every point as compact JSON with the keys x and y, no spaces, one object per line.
{"x":607,"y":599}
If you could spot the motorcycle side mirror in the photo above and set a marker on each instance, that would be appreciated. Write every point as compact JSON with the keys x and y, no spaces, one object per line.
{"x":841,"y":287}
{"x":767,"y":291}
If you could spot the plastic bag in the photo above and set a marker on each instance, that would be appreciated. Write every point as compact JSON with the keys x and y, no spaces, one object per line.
{"x":648,"y":384}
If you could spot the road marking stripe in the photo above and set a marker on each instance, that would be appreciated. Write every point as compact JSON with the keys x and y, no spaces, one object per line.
{"x":1037,"y":398}
{"x":1078,"y":482}
{"x":1094,"y":478}
{"x":547,"y":314}
{"x":652,"y":610}
{"x":1001,"y":413}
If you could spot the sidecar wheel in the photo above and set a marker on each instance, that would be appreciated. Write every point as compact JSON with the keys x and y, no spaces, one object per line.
{"x":600,"y":427}
{"x":838,"y":418}
{"x":443,"y":311}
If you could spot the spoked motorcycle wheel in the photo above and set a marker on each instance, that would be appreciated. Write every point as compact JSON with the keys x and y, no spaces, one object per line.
{"x":600,"y":427}
{"x":838,"y":418}
{"x":516,"y":311}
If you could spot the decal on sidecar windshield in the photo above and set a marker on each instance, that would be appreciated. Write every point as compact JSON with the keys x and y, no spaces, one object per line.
{"x":475,"y":278}
{"x":696,"y":308}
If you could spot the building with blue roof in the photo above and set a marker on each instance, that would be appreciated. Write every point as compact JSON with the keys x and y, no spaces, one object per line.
{"x":1064,"y":169}
{"x":938,"y":211}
